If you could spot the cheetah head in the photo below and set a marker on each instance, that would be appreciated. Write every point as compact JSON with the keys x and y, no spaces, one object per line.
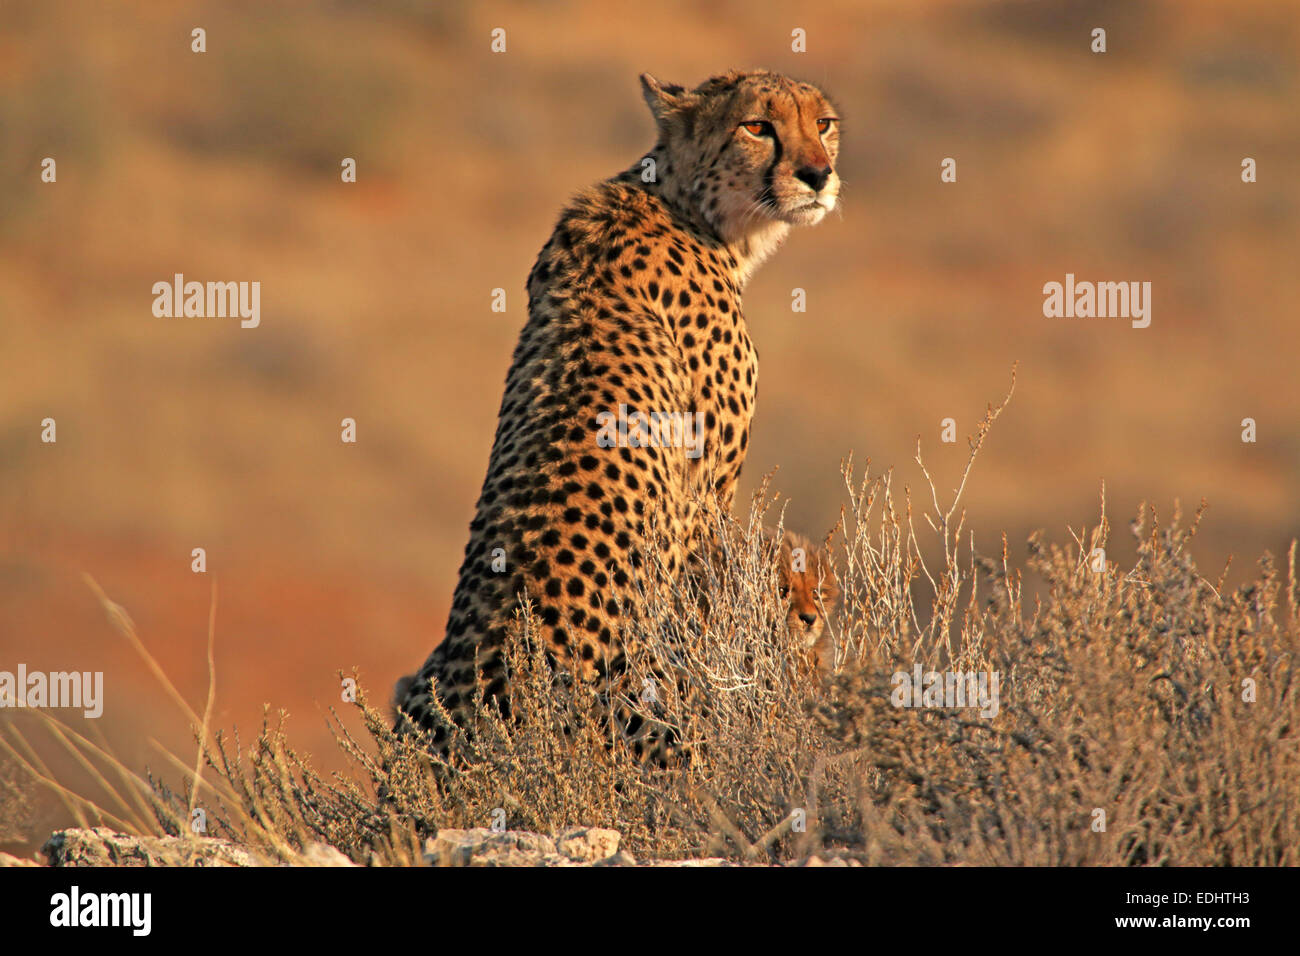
{"x":808,"y":585}
{"x":749,"y":151}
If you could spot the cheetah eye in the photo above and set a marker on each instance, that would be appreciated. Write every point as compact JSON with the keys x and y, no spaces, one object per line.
{"x":757,"y":127}
{"x":824,"y":125}
{"x":785,"y":593}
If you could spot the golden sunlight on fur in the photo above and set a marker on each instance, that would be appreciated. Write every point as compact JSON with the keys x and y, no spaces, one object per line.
{"x":812,"y":593}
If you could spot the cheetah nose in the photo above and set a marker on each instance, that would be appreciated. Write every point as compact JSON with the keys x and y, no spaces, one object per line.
{"x":809,"y":619}
{"x":814,"y":176}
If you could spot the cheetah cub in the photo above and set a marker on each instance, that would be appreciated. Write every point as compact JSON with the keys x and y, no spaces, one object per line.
{"x":632,"y":389}
{"x":811,"y":593}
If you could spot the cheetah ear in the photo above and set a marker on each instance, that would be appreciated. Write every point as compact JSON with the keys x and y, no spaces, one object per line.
{"x":665,"y":99}
{"x":830,"y":535}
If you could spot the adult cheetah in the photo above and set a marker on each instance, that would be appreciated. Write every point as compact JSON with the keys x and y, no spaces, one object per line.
{"x":633,"y":310}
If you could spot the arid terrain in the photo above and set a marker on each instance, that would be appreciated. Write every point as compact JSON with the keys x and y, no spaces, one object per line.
{"x":175,"y":434}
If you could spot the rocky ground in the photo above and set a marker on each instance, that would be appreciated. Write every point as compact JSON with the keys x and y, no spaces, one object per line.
{"x":592,"y":846}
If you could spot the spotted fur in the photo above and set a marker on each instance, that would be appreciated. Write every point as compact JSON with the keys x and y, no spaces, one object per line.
{"x":634,"y":301}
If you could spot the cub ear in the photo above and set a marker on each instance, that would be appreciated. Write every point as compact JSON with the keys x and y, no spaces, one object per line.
{"x":830,"y":535}
{"x":665,"y":99}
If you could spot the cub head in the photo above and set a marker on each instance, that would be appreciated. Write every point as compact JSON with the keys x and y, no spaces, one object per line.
{"x":749,"y":151}
{"x":808,"y":587}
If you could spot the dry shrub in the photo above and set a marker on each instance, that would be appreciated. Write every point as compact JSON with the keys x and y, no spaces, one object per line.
{"x":1147,"y":700}
{"x":15,"y":801}
{"x":1121,"y":692}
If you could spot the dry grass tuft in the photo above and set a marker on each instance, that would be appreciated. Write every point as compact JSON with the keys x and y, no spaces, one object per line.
{"x":1144,"y":716}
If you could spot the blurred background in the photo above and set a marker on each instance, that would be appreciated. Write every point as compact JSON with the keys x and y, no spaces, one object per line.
{"x":183,"y":433}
